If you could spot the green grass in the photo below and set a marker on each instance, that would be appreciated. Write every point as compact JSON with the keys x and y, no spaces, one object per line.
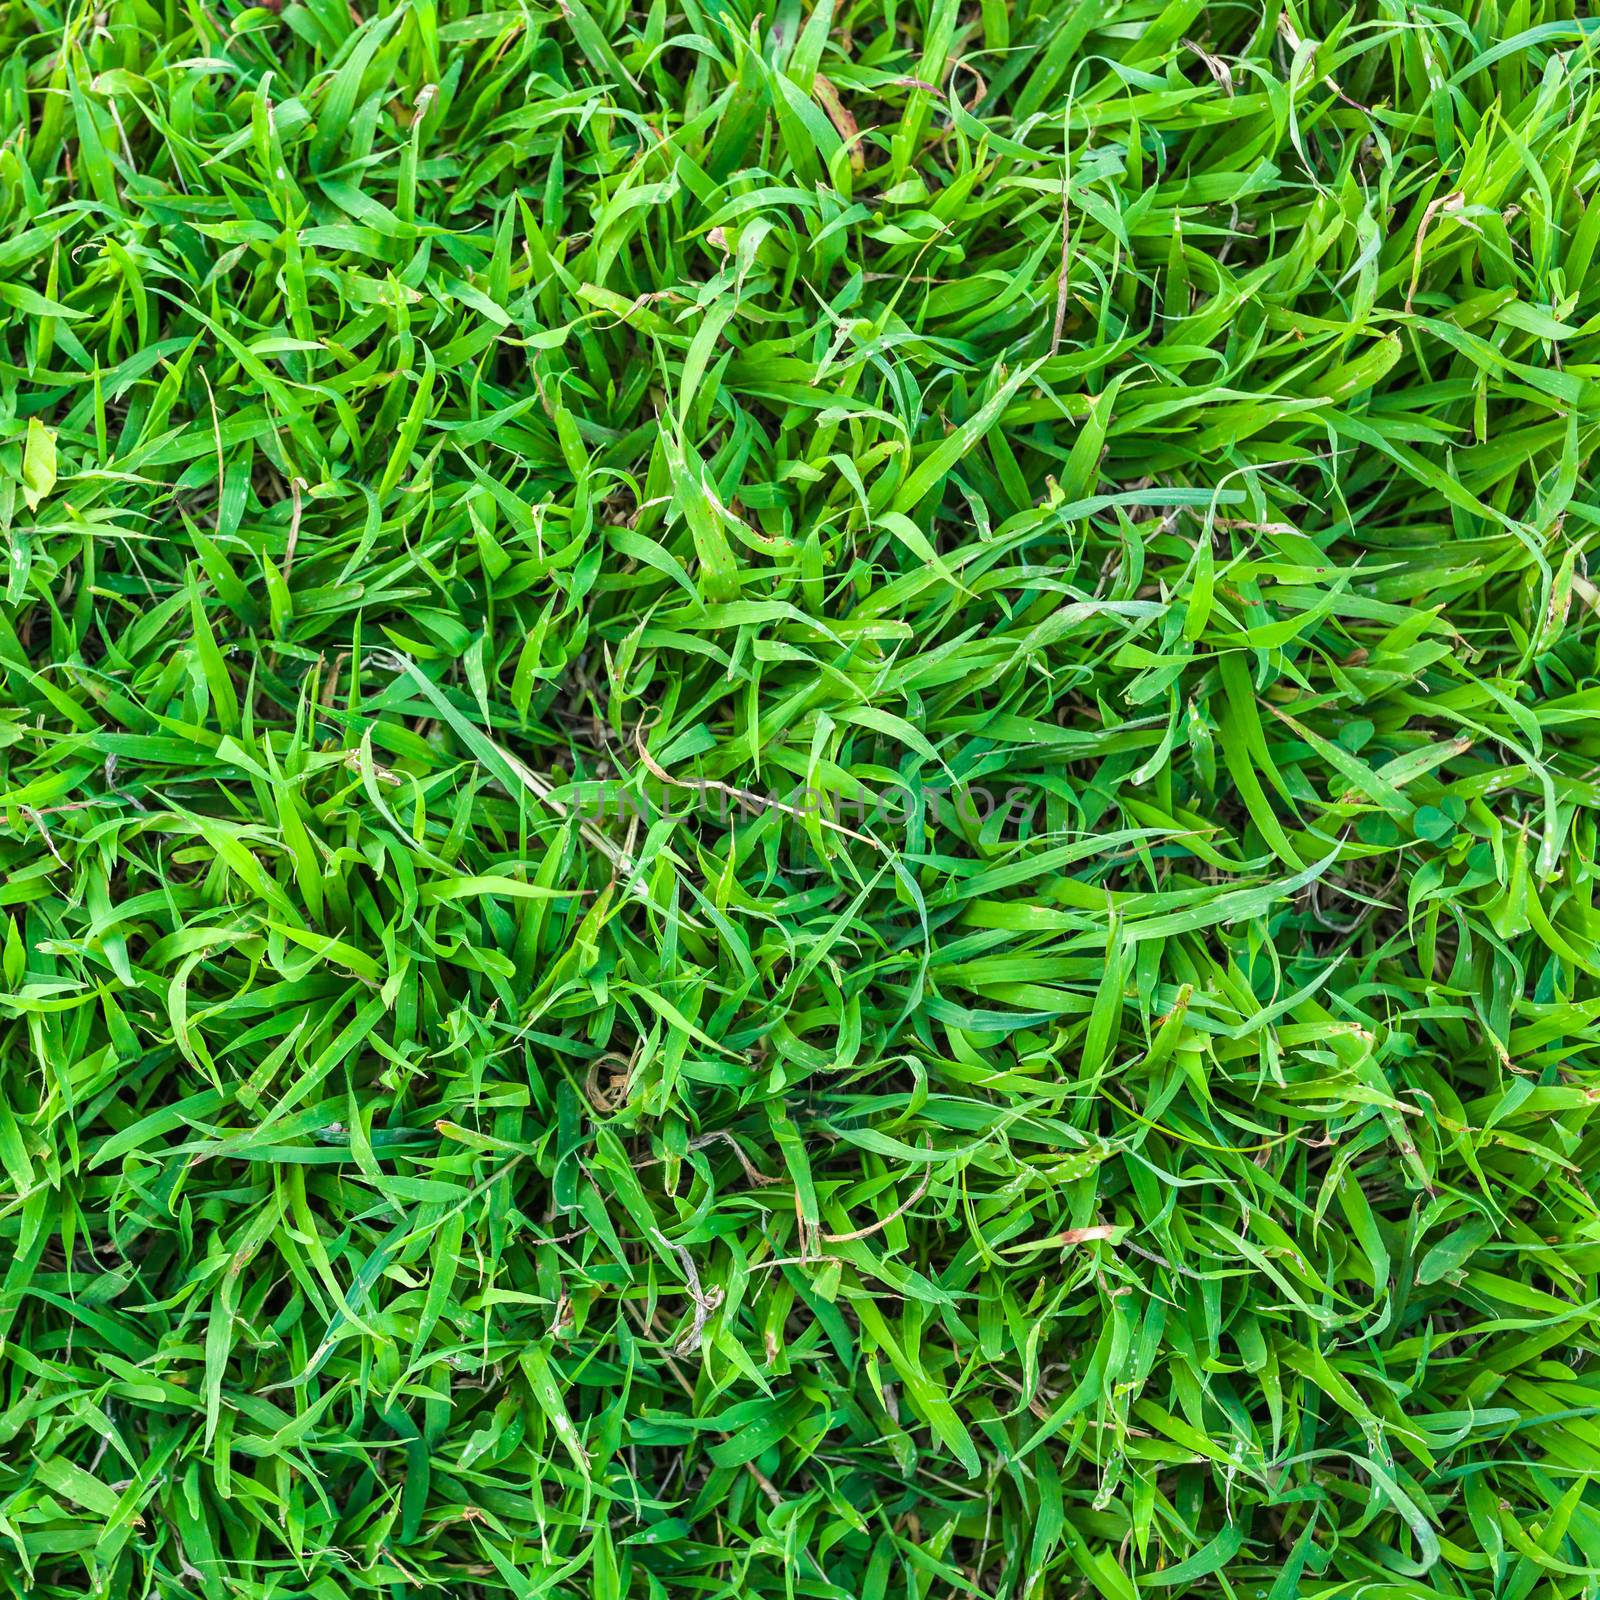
{"x":1145,"y":446}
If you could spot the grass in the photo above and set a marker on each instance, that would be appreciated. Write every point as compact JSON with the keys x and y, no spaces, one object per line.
{"x":799,"y":802}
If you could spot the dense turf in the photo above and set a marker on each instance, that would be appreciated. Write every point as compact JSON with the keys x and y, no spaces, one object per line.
{"x":799,"y":802}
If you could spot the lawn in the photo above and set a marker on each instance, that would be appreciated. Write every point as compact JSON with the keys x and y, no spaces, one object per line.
{"x":799,"y":802}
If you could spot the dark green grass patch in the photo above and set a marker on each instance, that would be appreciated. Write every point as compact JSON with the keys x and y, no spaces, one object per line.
{"x":799,"y":802}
